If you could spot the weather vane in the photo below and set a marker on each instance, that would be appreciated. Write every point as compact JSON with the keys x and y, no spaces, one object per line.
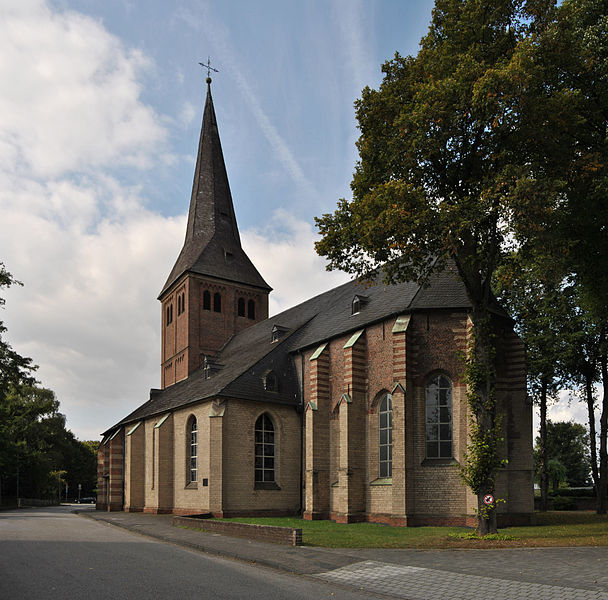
{"x":209,"y":68}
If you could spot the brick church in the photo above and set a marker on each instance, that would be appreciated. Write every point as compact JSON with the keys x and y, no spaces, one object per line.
{"x":350,"y":406}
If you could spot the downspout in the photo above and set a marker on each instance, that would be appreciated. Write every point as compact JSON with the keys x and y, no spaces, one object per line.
{"x":124,"y":463}
{"x":302,"y":404}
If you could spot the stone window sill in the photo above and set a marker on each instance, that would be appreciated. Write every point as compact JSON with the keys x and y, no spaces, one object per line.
{"x":439,"y":462}
{"x":382,"y":481}
{"x":193,"y":485}
{"x":265,"y":485}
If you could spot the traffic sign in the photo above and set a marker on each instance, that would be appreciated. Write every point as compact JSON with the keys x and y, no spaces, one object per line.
{"x":488,"y":499}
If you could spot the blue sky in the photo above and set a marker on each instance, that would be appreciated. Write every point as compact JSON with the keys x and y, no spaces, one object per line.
{"x":100,"y":114}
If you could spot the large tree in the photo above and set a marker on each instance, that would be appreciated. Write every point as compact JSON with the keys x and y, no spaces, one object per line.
{"x":572,"y":148}
{"x":568,"y":442}
{"x":440,"y":178}
{"x":36,"y":449}
{"x":533,"y":292}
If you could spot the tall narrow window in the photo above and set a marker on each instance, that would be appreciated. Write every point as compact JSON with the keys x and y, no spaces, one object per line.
{"x":169,"y":314}
{"x":264,"y":450}
{"x":251,"y":309}
{"x":193,"y":450}
{"x":385,"y":421}
{"x":439,"y":418}
{"x":241,"y":307}
{"x":181,"y":303}
{"x":217,"y":302}
{"x":206,"y":300}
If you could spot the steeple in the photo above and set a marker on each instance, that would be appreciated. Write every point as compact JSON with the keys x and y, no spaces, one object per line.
{"x":212,"y":246}
{"x":213,"y":291}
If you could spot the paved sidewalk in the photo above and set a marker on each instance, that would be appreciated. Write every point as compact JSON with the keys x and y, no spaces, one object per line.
{"x":519,"y":573}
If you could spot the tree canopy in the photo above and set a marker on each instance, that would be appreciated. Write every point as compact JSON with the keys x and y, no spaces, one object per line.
{"x":490,"y":140}
{"x":37,"y":452}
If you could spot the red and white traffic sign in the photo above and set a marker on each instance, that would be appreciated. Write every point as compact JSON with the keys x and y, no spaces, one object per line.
{"x":488,"y":499}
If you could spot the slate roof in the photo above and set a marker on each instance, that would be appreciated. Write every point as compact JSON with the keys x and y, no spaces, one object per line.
{"x":250,"y":354}
{"x":212,"y":246}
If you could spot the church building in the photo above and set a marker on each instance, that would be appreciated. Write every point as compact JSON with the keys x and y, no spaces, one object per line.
{"x":350,"y":406}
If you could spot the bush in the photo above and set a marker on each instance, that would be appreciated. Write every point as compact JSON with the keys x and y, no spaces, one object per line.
{"x":564,"y":503}
{"x":574,"y":492}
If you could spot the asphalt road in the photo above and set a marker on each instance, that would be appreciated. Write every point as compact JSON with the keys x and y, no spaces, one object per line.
{"x":51,"y":553}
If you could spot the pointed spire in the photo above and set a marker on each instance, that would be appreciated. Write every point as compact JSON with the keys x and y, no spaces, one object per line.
{"x":213,"y":245}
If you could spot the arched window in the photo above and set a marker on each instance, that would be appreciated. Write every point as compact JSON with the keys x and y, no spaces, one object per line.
{"x":251,"y":309}
{"x":169,"y":314}
{"x":206,"y":300}
{"x":385,"y":438}
{"x":241,"y":307}
{"x":355,"y":306}
{"x":181,"y":303}
{"x":264,"y":450}
{"x":192,"y":450}
{"x":217,"y":302}
{"x":439,"y":417}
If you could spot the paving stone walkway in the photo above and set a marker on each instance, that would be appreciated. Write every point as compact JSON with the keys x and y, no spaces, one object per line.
{"x":419,"y":583}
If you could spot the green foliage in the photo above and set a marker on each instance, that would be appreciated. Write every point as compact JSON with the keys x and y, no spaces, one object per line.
{"x":440,"y":178}
{"x":575,"y":493}
{"x":564,"y":503}
{"x":568,"y":445}
{"x":37,"y":452}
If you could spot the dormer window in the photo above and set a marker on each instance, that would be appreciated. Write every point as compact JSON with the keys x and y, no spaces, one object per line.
{"x":210,"y":367}
{"x":271,"y":383}
{"x":277,"y":333}
{"x":357,"y":303}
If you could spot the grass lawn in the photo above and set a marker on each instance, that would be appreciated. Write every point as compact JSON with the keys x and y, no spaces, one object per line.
{"x":555,"y":528}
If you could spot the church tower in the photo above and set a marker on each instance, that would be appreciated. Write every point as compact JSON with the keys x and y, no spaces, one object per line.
{"x":213,"y":290}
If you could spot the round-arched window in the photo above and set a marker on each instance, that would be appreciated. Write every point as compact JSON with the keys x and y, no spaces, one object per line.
{"x":439,"y":417}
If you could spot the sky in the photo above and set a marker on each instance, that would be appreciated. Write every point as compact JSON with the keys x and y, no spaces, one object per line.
{"x":100,"y":112}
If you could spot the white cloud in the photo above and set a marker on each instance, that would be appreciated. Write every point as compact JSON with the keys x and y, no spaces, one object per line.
{"x":283,"y":253}
{"x":92,"y":257}
{"x":70,"y":95}
{"x":350,"y":16}
{"x":219,"y":36}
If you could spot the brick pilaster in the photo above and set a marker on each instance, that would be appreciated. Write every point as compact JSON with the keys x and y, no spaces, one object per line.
{"x":352,"y":409}
{"x":134,"y":468}
{"x":316,"y":504}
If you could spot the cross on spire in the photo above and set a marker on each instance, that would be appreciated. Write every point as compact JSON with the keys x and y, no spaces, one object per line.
{"x":209,"y":68}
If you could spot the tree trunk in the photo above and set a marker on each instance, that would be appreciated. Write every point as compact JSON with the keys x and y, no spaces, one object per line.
{"x":589,"y":398}
{"x":602,"y":488}
{"x":544,"y":477}
{"x":485,"y":415}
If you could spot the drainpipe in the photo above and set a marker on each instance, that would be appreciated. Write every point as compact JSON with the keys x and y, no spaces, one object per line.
{"x":302,"y":405}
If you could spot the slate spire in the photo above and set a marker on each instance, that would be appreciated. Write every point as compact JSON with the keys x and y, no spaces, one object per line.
{"x":213,"y":246}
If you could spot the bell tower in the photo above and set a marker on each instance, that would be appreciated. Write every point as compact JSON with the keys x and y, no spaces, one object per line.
{"x":213,"y":290}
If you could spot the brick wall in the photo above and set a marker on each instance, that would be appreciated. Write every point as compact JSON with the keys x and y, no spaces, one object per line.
{"x":264,"y":533}
{"x":240,"y":493}
{"x":197,"y":332}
